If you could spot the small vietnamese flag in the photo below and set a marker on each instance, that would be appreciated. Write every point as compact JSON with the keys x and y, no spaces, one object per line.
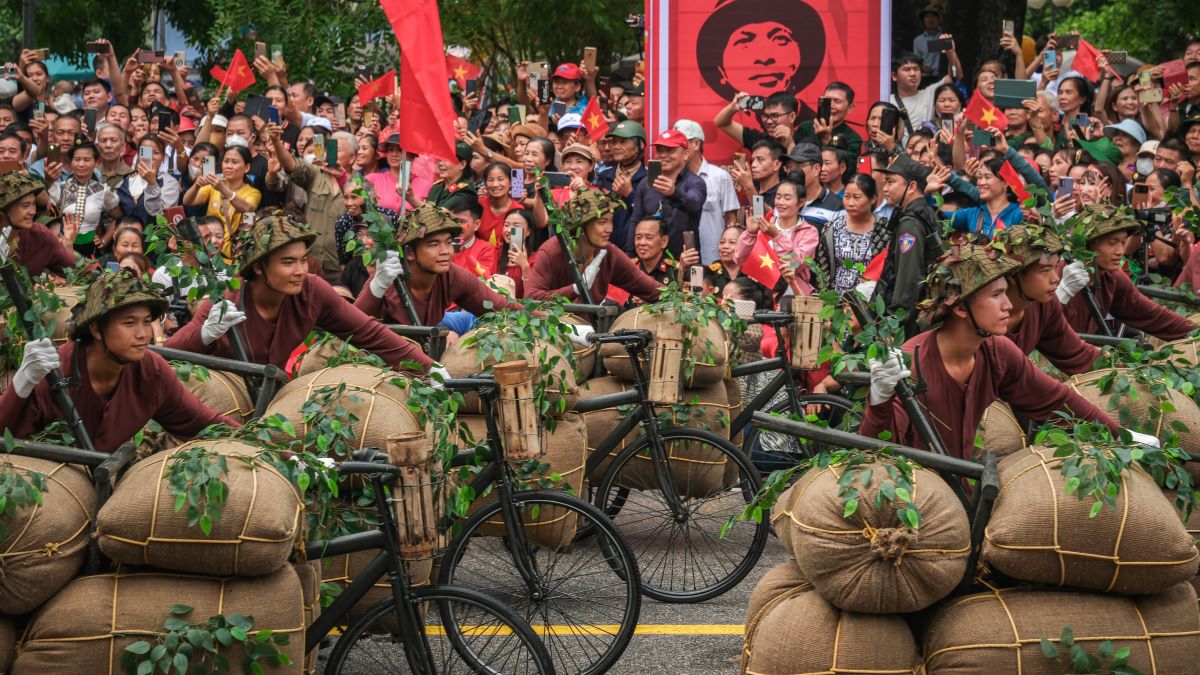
{"x":1086,"y":62}
{"x":462,"y":70}
{"x":593,"y":120}
{"x":238,"y":77}
{"x":984,"y":114}
{"x":1014,"y":180}
{"x":383,"y":87}
{"x":763,"y":263}
{"x":617,"y":294}
{"x":875,"y":268}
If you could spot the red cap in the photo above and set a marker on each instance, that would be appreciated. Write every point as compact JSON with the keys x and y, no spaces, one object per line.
{"x":672,"y":138}
{"x":186,"y":124}
{"x":567,"y":71}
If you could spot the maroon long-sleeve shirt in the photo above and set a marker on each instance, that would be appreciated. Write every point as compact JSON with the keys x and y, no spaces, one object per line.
{"x":1116,"y":295}
{"x":39,"y":250}
{"x":551,"y":277}
{"x":317,"y":304}
{"x":1045,"y":328}
{"x":1001,"y":372}
{"x":147,"y":390}
{"x":456,"y":287}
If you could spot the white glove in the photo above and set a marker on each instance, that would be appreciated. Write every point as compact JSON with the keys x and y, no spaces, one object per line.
{"x":386,"y":272}
{"x":1144,"y":439}
{"x":1074,"y":278}
{"x":886,"y":375}
{"x":221,"y":317}
{"x":40,"y":358}
{"x":579,"y":334}
{"x":593,"y":268}
{"x":437,"y":375}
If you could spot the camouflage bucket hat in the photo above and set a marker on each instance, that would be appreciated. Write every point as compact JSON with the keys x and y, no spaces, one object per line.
{"x":1028,"y":242}
{"x":426,"y":221}
{"x":1100,"y":221}
{"x":112,"y":291}
{"x":587,"y":206}
{"x":961,"y":271}
{"x":15,"y":185}
{"x":269,"y":234}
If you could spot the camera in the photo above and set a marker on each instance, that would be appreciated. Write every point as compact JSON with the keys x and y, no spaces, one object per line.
{"x":753,"y":103}
{"x":635,"y":21}
{"x":1154,"y":219}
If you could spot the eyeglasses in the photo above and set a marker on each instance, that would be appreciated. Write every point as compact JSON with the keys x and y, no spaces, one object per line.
{"x":775,"y":117}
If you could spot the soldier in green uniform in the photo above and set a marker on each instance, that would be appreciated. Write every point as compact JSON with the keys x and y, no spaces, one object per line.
{"x":650,"y":238}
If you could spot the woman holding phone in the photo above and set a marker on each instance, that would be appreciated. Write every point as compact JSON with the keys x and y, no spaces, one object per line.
{"x":498,"y":202}
{"x":517,"y":260}
{"x":149,"y":190}
{"x":227,"y":194}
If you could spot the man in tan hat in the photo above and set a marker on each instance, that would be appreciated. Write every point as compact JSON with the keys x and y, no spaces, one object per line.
{"x":1106,"y":229}
{"x":121,"y":383}
{"x":966,"y":361}
{"x":282,"y":302}
{"x":31,"y":244}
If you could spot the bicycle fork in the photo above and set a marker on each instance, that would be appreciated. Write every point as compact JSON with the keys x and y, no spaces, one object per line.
{"x":662,"y":465}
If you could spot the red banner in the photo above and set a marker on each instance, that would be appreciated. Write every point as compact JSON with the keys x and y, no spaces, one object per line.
{"x":700,"y":53}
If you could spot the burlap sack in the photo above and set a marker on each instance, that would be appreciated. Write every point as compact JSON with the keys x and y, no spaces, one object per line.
{"x":1186,"y":410}
{"x":778,"y":580}
{"x":872,"y":563}
{"x":462,"y":360}
{"x":781,"y":514}
{"x":1037,"y":533}
{"x":566,"y":454}
{"x":380,"y":406}
{"x":1000,"y":431}
{"x":88,"y":625}
{"x":1000,"y":631}
{"x":709,"y":348}
{"x":309,"y":574}
{"x":317,"y":356}
{"x":699,"y":470}
{"x":8,"y":644}
{"x":343,"y":569}
{"x":257,"y":531}
{"x":45,"y":545}
{"x":224,"y":392}
{"x":585,"y":357}
{"x":1187,"y":350}
{"x":800,"y":632}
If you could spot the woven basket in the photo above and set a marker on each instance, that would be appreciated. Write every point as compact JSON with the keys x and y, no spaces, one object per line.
{"x":806,"y":331}
{"x":520,"y":424}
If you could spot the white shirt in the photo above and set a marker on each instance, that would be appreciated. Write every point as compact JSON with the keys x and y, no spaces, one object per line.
{"x":919,"y":106}
{"x":721,"y":199}
{"x":96,"y":204}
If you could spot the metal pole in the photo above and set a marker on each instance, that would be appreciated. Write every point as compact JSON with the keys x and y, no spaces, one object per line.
{"x":29,"y":22}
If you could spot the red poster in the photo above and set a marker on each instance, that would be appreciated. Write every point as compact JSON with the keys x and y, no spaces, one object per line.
{"x":700,"y":53}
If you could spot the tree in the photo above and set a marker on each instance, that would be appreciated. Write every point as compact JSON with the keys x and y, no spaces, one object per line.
{"x":978,"y":27}
{"x":1150,"y":30}
{"x":65,"y":25}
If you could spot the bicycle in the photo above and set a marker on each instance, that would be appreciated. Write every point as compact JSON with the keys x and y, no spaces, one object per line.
{"x":442,"y":629}
{"x":662,"y":493}
{"x":582,"y":596}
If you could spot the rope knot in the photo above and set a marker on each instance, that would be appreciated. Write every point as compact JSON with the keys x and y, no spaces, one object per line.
{"x":50,"y":550}
{"x":891,"y":543}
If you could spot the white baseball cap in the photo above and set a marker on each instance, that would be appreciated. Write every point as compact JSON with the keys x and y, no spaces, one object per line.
{"x":570,"y":121}
{"x":1148,"y":148}
{"x":691,"y":129}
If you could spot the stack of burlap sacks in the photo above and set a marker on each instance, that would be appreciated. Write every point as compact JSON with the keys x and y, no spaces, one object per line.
{"x":862,"y":593}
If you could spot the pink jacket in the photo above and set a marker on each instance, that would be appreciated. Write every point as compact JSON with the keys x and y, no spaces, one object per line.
{"x":800,"y":241}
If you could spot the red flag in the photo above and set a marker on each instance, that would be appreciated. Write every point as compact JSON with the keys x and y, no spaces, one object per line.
{"x":617,"y":295}
{"x":875,"y":268}
{"x":1014,"y":180}
{"x":593,"y":120}
{"x":763,"y":263}
{"x":238,"y":77}
{"x":462,"y":70}
{"x":984,"y":114}
{"x":1086,"y":63}
{"x":383,"y":87}
{"x":425,"y":107}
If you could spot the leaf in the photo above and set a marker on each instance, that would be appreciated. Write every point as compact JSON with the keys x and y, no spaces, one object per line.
{"x":140,"y":648}
{"x":1067,"y":638}
{"x":1049,"y":649}
{"x":1106,"y":648}
{"x":850,"y":508}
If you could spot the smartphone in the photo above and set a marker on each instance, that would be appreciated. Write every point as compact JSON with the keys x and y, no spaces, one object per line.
{"x":739,"y":158}
{"x":1141,"y":196}
{"x":517,"y":236}
{"x":754,"y":103}
{"x":114,"y":267}
{"x":516,"y":178}
{"x":89,"y":121}
{"x":1082,"y":120}
{"x":478,"y":120}
{"x":689,"y":240}
{"x":43,"y":53}
{"x":210,"y":165}
{"x":175,"y":215}
{"x":516,"y":114}
{"x":146,"y":153}
{"x":744,"y":309}
{"x":973,"y":151}
{"x":540,"y":70}
{"x":557,"y":178}
{"x":470,"y":88}
{"x":557,"y":110}
{"x":1007,"y":26}
{"x":39,"y":111}
{"x":544,"y":92}
{"x":277,"y":53}
{"x":53,"y":154}
{"x":888,"y":119}
{"x":946,"y":121}
{"x":1145,"y":80}
{"x":150,"y":56}
{"x":1066,"y":186}
{"x":604,"y":86}
{"x":164,"y":118}
{"x":982,"y":138}
{"x":364,"y":72}
{"x":589,"y":58}
{"x":1012,"y":93}
{"x":1117,"y":56}
{"x":180,"y":59}
{"x":367,"y":120}
{"x":339,"y":113}
{"x":331,"y":151}
{"x":653,"y":171}
{"x":189,"y":230}
{"x":1151,"y":95}
{"x":864,"y":166}
{"x":318,"y":147}
{"x":824,"y":110}
{"x":1049,"y":60}
{"x":96,"y":48}
{"x":260,"y":49}
{"x":696,"y":278}
{"x":940,"y":45}
{"x":273,"y":114}
{"x":760,"y":207}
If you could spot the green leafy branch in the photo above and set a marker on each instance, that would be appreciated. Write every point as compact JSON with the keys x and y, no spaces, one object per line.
{"x":19,"y":488}
{"x":194,"y":478}
{"x":1111,"y":661}
{"x":205,"y":274}
{"x":196,"y":647}
{"x":694,"y":311}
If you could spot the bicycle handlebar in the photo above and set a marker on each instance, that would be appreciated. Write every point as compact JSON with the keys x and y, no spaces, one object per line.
{"x":773,"y":318}
{"x":640,"y":337}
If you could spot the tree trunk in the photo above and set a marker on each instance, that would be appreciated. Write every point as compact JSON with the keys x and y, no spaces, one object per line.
{"x":978,"y":25}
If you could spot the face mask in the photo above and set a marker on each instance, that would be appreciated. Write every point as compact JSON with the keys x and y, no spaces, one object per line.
{"x":193,"y":171}
{"x":64,"y":104}
{"x":1144,"y":165}
{"x":236,"y":141}
{"x":310,"y":157}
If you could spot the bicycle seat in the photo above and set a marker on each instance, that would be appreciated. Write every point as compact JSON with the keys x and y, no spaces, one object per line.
{"x":638,"y":337}
{"x":770,"y":318}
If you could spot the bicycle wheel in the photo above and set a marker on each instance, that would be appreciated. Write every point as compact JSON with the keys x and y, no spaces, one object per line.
{"x":589,"y":598}
{"x":685,"y":560}
{"x":465,"y":630}
{"x":770,"y":450}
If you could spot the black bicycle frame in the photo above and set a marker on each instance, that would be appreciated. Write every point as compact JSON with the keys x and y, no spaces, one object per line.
{"x":785,"y":378}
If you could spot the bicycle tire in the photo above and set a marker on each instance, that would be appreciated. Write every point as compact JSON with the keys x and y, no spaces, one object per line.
{"x":591,"y":582}
{"x":787,"y":449}
{"x":448,"y":609}
{"x":663,"y":578}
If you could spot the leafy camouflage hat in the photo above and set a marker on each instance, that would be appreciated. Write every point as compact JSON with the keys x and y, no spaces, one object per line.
{"x":428,"y":220}
{"x":15,"y":185}
{"x":269,"y":234}
{"x":1100,"y":221}
{"x":1028,"y":242}
{"x":961,"y":271}
{"x":112,"y":291}
{"x":587,"y":206}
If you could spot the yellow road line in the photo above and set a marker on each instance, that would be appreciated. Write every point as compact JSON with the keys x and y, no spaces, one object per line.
{"x":644,"y":629}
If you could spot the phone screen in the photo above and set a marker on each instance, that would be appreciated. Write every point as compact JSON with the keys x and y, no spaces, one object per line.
{"x":760,"y":207}
{"x":653,"y":170}
{"x":1051,"y":59}
{"x":864,"y":165}
{"x":331,"y":151}
{"x":53,"y":154}
{"x":689,"y":240}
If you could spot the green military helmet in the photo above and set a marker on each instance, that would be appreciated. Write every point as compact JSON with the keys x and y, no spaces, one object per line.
{"x":112,"y":291}
{"x":1100,"y":221}
{"x":428,"y":220}
{"x":269,"y":234}
{"x":628,"y":129}
{"x":587,"y":206}
{"x":962,"y":271}
{"x":1028,"y":242}
{"x":15,"y":185}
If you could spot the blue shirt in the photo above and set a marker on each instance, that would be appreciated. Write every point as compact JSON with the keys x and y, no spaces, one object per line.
{"x":977,"y":219}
